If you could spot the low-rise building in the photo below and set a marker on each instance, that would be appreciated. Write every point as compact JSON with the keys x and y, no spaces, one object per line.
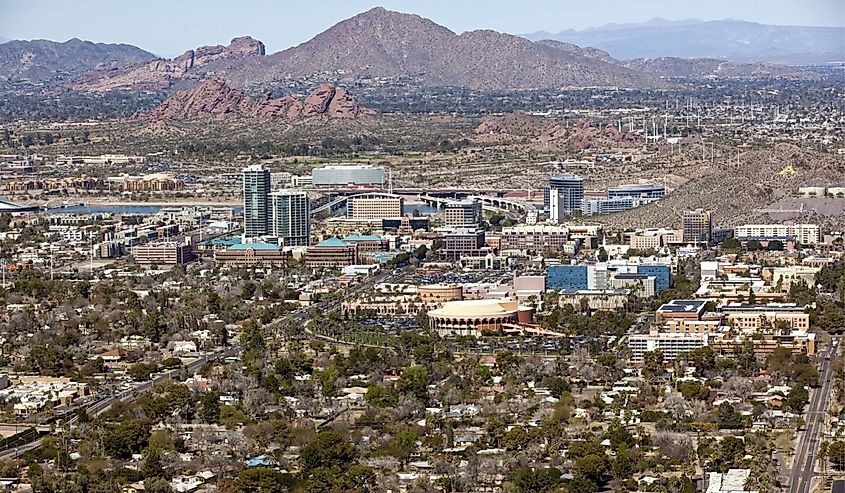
{"x":753,"y":317}
{"x":331,"y":253}
{"x":163,"y":253}
{"x":671,"y":344}
{"x":251,"y":255}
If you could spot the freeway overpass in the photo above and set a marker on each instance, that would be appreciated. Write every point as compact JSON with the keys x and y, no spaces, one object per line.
{"x":7,"y":205}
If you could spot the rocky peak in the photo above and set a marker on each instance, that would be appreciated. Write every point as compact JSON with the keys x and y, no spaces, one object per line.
{"x":246,"y":45}
{"x":158,"y":73}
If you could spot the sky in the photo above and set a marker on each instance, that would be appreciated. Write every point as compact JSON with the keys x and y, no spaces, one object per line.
{"x":169,"y":27}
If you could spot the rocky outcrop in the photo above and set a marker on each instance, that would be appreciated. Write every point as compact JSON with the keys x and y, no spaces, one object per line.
{"x":216,"y":99}
{"x":213,"y":98}
{"x":333,"y":101}
{"x":160,"y":73}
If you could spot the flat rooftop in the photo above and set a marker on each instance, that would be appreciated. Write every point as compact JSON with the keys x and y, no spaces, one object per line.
{"x":683,"y":306}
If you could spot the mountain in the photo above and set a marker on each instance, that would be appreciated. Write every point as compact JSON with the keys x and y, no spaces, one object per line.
{"x":700,"y":68}
{"x":381,"y":43}
{"x":4,"y":40}
{"x":733,"y":40}
{"x":41,"y":60}
{"x":161,"y":72}
{"x":214,"y":98}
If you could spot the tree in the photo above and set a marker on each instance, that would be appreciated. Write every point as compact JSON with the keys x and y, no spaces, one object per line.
{"x":591,"y":467}
{"x":623,"y":464}
{"x":653,"y":363}
{"x":518,"y":439}
{"x":557,"y":386}
{"x":263,"y":480}
{"x":210,"y":412}
{"x":796,"y":400}
{"x":775,"y":246}
{"x":414,"y":381}
{"x":731,"y":244}
{"x":248,"y":290}
{"x":380,"y":396}
{"x":153,"y":466}
{"x":602,"y":254}
{"x":328,"y":449}
{"x":141,"y":372}
{"x":530,"y":480}
{"x":157,"y":485}
{"x":403,"y":444}
{"x":127,"y":438}
{"x":836,"y":454}
{"x":753,"y":246}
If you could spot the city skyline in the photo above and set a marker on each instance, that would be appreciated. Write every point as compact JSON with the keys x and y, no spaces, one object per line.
{"x":186,"y":25}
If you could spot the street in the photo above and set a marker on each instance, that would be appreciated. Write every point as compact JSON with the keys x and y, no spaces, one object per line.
{"x":802,"y":473}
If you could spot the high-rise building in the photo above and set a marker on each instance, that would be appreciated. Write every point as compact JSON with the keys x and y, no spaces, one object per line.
{"x":256,"y":182}
{"x":291,"y":217}
{"x":464,"y":213}
{"x":698,"y":227}
{"x":566,"y":195}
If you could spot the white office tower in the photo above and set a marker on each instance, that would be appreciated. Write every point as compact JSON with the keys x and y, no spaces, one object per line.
{"x":566,"y":195}
{"x":291,"y":217}
{"x":256,"y":181}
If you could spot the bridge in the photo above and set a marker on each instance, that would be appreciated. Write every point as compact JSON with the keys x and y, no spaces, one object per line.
{"x":488,"y":203}
{"x":7,"y":205}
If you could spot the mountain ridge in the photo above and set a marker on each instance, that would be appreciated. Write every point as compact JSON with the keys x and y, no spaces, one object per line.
{"x":42,"y":60}
{"x":734,"y":40}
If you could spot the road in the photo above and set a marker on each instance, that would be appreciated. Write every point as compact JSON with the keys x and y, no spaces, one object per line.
{"x":803,"y":469}
{"x":102,"y":406}
{"x":128,"y":396}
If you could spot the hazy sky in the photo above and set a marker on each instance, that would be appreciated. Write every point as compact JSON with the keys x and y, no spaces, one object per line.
{"x":169,"y":27}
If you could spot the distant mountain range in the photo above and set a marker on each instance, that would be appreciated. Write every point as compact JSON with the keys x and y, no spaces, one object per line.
{"x":734,"y":40}
{"x":41,"y":60}
{"x":374,"y":44}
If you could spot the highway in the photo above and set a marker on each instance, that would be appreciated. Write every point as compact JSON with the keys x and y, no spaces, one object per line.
{"x":803,"y":469}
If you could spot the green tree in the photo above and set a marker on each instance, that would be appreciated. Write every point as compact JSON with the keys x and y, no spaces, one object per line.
{"x":591,"y":467}
{"x":153,"y":466}
{"x":328,"y":449}
{"x":210,"y":411}
{"x":127,"y":438}
{"x":836,"y":454}
{"x":775,"y":246}
{"x":623,"y":464}
{"x":380,"y":396}
{"x":263,"y":480}
{"x":530,"y":480}
{"x":414,"y":381}
{"x":796,"y":400}
{"x":731,"y":244}
{"x":403,"y":444}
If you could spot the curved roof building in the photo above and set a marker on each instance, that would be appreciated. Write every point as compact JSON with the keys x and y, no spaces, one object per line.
{"x":472,"y":317}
